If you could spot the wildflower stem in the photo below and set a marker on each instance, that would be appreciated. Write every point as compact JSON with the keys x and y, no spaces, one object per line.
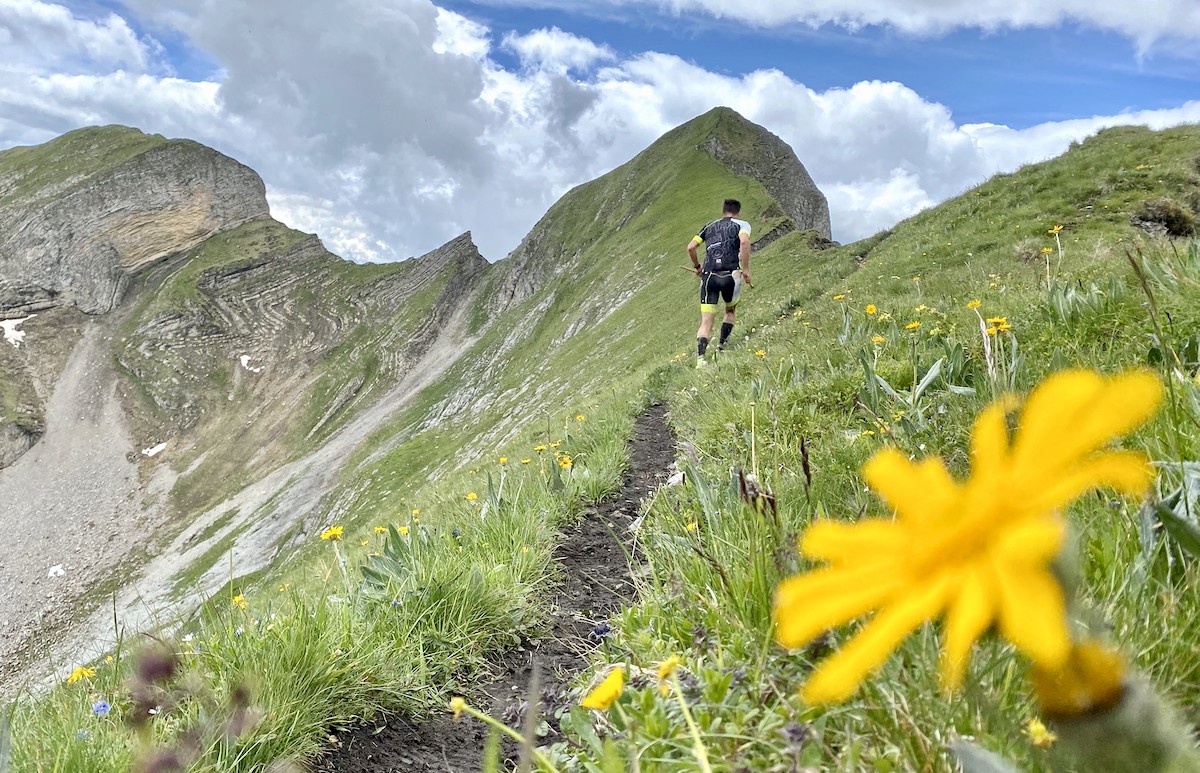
{"x":698,"y":749}
{"x":543,"y":762}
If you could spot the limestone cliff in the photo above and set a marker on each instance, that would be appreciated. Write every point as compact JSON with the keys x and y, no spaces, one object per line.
{"x":78,"y":239}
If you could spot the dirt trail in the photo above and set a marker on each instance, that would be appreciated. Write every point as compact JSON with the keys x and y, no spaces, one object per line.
{"x":596,"y":583}
{"x":265,"y":512}
{"x":60,"y":536}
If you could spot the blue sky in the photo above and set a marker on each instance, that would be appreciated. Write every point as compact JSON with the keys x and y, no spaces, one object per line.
{"x":390,"y":126}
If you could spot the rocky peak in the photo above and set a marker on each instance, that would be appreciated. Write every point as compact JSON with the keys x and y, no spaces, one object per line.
{"x":750,"y":150}
{"x":109,"y":203}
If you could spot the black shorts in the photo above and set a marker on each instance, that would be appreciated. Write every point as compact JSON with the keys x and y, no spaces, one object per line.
{"x":715,"y":288}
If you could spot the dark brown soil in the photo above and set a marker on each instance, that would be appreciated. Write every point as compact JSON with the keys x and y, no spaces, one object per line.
{"x":594,"y":558}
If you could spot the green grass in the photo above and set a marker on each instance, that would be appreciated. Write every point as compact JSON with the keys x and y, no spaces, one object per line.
{"x":612,"y":330}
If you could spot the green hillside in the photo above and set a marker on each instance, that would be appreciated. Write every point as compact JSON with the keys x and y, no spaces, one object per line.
{"x":461,"y":544}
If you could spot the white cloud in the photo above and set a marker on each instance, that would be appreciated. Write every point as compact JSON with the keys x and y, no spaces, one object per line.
{"x":557,"y":51}
{"x":37,"y":36}
{"x":386,"y":127}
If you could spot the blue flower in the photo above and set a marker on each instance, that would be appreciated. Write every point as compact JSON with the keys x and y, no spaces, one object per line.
{"x":395,"y":603}
{"x":101,"y":708}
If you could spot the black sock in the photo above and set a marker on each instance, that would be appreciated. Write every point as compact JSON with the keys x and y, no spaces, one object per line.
{"x":701,"y":346}
{"x":726,"y":329}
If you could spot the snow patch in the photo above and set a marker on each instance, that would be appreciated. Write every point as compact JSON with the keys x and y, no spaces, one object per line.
{"x":154,"y":451}
{"x":11,"y":334}
{"x":56,"y":571}
{"x":245,"y":358}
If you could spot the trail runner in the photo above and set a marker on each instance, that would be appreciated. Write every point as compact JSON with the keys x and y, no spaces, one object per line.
{"x":726,"y":267}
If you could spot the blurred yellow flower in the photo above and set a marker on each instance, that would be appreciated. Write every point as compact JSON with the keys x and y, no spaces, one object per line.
{"x":364,"y":542}
{"x":556,"y":444}
{"x":503,"y":460}
{"x":665,"y":669}
{"x":416,"y":511}
{"x":80,"y":672}
{"x":840,"y":297}
{"x":991,"y":331}
{"x":1091,"y":680}
{"x":403,"y":531}
{"x":540,"y":449}
{"x":1047,"y":250}
{"x":878,"y":340}
{"x":921,"y":308}
{"x":332,"y":533}
{"x":975,"y":304}
{"x":580,"y":417}
{"x":239,"y":601}
{"x":997,"y":320}
{"x":283,"y":587}
{"x":526,"y":461}
{"x":471,"y":497}
{"x":458,"y":705}
{"x":565,"y":462}
{"x":871,"y":309}
{"x":1055,"y":229}
{"x":978,"y":552}
{"x":917,"y":278}
{"x":380,"y":530}
{"x":760,"y":353}
{"x":524,"y":549}
{"x":912,"y":325}
{"x":1038,"y":734}
{"x":692,"y":526}
{"x":607,"y":692}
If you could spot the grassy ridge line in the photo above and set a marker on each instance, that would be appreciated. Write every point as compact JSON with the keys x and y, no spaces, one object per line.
{"x":804,"y":375}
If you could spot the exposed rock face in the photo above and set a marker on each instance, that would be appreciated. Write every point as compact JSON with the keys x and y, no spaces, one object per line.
{"x":82,"y":247}
{"x":773,"y":163}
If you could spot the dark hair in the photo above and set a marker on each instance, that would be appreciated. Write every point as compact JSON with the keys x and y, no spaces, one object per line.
{"x":733,"y":206}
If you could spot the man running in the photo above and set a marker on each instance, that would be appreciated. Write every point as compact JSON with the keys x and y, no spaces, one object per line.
{"x":726,"y":266}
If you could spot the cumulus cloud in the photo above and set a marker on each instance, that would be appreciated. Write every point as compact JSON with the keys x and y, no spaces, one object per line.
{"x":387,"y":126}
{"x":555,"y":50}
{"x":39,"y":37}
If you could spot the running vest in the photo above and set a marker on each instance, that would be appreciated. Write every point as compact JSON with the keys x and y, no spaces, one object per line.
{"x":722,"y":246}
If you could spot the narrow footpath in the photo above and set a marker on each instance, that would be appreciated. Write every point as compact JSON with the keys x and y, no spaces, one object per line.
{"x":597,"y":582}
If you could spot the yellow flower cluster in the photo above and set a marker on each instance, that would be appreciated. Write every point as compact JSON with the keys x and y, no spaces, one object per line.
{"x":978,"y":552}
{"x":239,"y":601}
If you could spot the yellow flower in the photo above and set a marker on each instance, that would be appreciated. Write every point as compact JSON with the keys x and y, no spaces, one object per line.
{"x":912,"y":325}
{"x":1038,"y":734}
{"x":978,"y":552}
{"x":1056,"y":229}
{"x":539,"y":449}
{"x":332,"y":533}
{"x":607,"y":692}
{"x":580,"y":417}
{"x":692,"y":526}
{"x":402,"y":531}
{"x":878,"y":340}
{"x":556,"y":444}
{"x":997,"y":320}
{"x":665,"y":669}
{"x":526,"y":461}
{"x":504,"y":460}
{"x":1091,"y":680}
{"x":108,"y":658}
{"x":471,"y":497}
{"x":871,"y":309}
{"x":991,"y":331}
{"x":565,"y":462}
{"x":1047,"y":250}
{"x":760,"y":353}
{"x":80,"y":672}
{"x":458,"y":705}
{"x":239,"y":601}
{"x":416,"y":511}
{"x":380,"y":530}
{"x":921,"y":308}
{"x":524,"y":550}
{"x":840,"y":297}
{"x":975,"y":304}
{"x":1004,"y":327}
{"x":364,"y":542}
{"x":283,"y":587}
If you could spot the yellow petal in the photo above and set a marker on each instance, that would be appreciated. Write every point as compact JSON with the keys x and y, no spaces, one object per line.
{"x":839,"y":541}
{"x":839,"y":675}
{"x":607,"y":692}
{"x":1032,"y":613}
{"x":809,"y":604}
{"x":1076,"y":412}
{"x":1126,"y":471}
{"x":971,"y":612}
{"x":915,"y":491}
{"x":1032,"y":541}
{"x":989,"y":437}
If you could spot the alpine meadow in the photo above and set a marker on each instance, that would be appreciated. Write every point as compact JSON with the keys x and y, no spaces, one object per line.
{"x":933,"y":508}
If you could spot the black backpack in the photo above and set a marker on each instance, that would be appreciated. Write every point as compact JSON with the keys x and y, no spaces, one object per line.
{"x":722,"y":246}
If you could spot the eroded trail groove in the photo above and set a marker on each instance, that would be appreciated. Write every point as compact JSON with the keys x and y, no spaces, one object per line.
{"x":597,"y":582}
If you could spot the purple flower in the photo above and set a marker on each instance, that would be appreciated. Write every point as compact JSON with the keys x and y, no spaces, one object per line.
{"x":101,"y":708}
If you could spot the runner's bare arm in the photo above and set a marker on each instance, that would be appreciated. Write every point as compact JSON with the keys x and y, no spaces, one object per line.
{"x":744,"y":257}
{"x":691,"y":248}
